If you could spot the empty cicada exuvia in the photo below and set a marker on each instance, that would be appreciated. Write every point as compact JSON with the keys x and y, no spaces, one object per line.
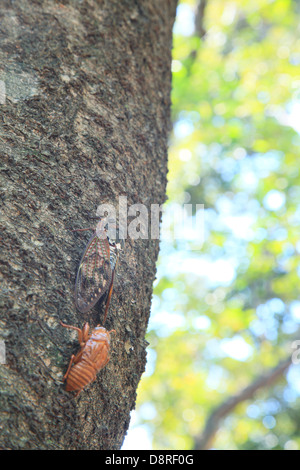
{"x":97,"y":269}
{"x":90,"y":359}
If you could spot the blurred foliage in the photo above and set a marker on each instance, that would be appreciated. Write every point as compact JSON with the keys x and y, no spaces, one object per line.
{"x":226,"y":311}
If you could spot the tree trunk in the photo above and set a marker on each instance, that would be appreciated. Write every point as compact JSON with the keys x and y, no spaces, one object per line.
{"x":85,"y":101}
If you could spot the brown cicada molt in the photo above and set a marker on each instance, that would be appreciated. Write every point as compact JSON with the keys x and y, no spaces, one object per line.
{"x":90,"y":359}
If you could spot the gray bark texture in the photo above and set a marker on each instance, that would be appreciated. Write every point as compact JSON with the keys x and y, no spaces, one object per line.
{"x":84,"y":118}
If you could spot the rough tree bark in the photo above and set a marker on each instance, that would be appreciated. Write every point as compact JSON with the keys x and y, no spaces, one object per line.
{"x":84,"y":118}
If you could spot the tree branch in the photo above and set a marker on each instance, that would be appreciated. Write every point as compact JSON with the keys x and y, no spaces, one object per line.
{"x":199,"y":18}
{"x":213,"y":423}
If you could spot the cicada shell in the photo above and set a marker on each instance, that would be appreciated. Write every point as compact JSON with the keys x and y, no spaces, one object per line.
{"x":90,"y":359}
